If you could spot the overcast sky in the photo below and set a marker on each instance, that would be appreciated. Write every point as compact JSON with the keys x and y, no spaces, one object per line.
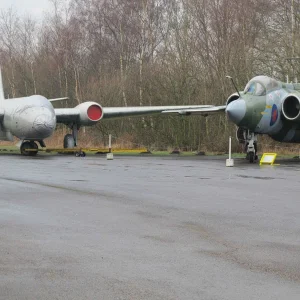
{"x":34,"y":8}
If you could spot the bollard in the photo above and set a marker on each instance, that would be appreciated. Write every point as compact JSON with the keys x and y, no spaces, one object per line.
{"x":109,"y":143}
{"x":109,"y":155}
{"x":229,"y":161}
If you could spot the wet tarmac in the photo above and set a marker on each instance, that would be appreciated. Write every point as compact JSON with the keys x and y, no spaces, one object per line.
{"x":148,"y":228}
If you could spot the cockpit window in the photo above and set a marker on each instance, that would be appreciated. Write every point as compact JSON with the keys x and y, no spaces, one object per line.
{"x":250,"y":88}
{"x":267,"y":82}
{"x":259,"y":90}
{"x":272,"y":84}
{"x":255,"y":88}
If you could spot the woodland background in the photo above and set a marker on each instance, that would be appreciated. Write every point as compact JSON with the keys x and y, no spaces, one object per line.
{"x":150,"y":52}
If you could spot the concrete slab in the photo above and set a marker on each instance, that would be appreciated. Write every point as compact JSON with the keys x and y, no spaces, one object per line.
{"x":148,"y":228}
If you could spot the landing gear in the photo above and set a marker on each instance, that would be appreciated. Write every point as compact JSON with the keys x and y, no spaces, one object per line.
{"x":251,"y":146}
{"x":70,"y":140}
{"x":249,"y":139}
{"x":29,"y":148}
{"x":251,"y":157}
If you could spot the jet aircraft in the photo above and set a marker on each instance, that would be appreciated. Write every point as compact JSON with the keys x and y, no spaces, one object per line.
{"x":266,"y":106}
{"x":33,"y":119}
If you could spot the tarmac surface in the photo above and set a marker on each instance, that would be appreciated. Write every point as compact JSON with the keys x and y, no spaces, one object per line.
{"x":148,"y":228}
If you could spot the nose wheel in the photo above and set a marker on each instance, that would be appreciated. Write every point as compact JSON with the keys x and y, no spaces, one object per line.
{"x":29,"y":148}
{"x":251,"y":147}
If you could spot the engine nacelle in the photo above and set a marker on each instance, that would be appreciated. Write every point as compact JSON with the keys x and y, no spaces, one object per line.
{"x":291,"y":108}
{"x":89,"y":113}
{"x":233,"y":97}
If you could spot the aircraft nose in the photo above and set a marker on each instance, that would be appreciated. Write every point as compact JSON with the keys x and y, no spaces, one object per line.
{"x":45,"y":123}
{"x":236,"y":110}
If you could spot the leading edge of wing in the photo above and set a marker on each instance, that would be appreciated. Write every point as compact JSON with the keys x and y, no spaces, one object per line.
{"x":197,"y":111}
{"x":116,"y":112}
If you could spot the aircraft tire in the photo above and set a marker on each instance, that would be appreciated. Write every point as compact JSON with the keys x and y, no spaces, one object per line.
{"x":33,"y":145}
{"x":69,"y":141}
{"x":29,"y":145}
{"x":251,"y":157}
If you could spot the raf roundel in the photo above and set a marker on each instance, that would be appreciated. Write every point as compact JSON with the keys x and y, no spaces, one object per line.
{"x":94,"y":112}
{"x":274,"y":115}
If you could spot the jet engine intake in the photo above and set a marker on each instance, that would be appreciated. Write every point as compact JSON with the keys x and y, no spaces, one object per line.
{"x":232,"y":98}
{"x":291,"y":108}
{"x":89,"y":113}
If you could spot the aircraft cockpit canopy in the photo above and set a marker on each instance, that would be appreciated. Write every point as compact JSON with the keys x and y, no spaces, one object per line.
{"x":259,"y":85}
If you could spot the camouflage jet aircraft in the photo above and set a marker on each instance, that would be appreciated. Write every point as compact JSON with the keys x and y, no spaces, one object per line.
{"x":266,"y":106}
{"x":33,"y":119}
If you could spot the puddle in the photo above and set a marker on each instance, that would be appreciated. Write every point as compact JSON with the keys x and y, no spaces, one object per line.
{"x":256,"y":177}
{"x":78,"y":180}
{"x":188,"y":176}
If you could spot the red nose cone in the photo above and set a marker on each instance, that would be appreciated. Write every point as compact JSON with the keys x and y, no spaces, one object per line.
{"x":94,"y":112}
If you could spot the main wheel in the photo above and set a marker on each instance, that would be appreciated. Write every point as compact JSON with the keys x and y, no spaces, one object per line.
{"x":69,"y":141}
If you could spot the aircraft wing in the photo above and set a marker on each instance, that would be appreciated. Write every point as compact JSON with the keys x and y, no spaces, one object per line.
{"x":80,"y":113}
{"x":115,"y":112}
{"x":204,"y":111}
{"x":67,"y":115}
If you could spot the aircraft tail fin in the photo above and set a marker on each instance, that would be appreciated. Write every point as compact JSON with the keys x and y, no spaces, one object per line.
{"x":1,"y":89}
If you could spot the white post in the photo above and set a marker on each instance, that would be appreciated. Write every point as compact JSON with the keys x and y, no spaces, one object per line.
{"x":109,"y":143}
{"x":229,"y":161}
{"x":230,"y":147}
{"x":109,"y":155}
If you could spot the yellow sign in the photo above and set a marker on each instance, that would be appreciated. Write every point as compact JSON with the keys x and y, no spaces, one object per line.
{"x":268,"y":158}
